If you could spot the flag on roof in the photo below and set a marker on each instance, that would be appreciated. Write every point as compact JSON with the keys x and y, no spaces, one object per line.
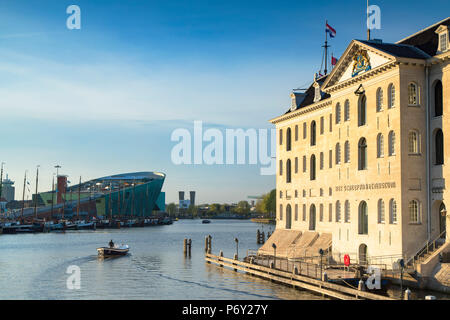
{"x":333,"y":60}
{"x":330,"y":31}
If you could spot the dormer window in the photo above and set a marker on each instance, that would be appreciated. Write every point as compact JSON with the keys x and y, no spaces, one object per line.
{"x":442,"y":33}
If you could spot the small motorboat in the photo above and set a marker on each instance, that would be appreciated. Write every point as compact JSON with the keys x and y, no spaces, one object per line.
{"x":206,"y":221}
{"x":113,"y":251}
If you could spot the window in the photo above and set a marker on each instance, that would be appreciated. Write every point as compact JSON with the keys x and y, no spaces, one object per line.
{"x":288,"y":139}
{"x":281,"y":194}
{"x":304,"y":213}
{"x":281,"y":167}
{"x":347,"y":211}
{"x":330,"y":212}
{"x":363,"y":218}
{"x":338,"y":211}
{"x":347,"y":152}
{"x":362,"y":154}
{"x":414,"y":213}
{"x":296,"y":165}
{"x":331,"y":122}
{"x":330,"y":156}
{"x":296,"y":133}
{"x":362,"y":109}
{"x":391,"y":143}
{"x":392,"y":211}
{"x":413,"y":94}
{"x":304,"y":130}
{"x":313,"y":133}
{"x":391,"y":98}
{"x":380,"y":146}
{"x":322,"y":125}
{"x":296,"y":212}
{"x":379,"y":99}
{"x":321,"y":213}
{"x":338,"y":113}
{"x":313,"y":168}
{"x":304,"y":163}
{"x":438,"y":100}
{"x":413,"y":142}
{"x":281,"y":212}
{"x":338,"y":153}
{"x":347,"y":110}
{"x":281,"y":137}
{"x":443,"y":42}
{"x":380,"y":211}
{"x":321,"y":161}
{"x":288,"y":171}
{"x":439,"y":145}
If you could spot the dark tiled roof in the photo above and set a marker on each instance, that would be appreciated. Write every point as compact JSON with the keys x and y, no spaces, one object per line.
{"x":398,"y":50}
{"x":426,"y":40}
{"x":309,"y":95}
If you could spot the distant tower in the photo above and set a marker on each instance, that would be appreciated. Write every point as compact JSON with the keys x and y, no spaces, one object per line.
{"x":8,"y":189}
{"x":61,"y":188}
{"x":192,"y":197}
{"x":181,"y":195}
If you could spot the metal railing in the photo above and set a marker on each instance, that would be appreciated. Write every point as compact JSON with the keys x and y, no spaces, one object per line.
{"x":430,"y":246}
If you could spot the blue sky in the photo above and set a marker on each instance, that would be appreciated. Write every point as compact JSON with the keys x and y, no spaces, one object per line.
{"x":105,"y":99}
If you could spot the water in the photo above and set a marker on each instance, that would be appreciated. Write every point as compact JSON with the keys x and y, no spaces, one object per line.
{"x":33,"y":266}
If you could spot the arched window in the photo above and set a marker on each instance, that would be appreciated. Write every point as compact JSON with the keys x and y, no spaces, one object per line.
{"x":392,"y":211}
{"x":391,"y":143}
{"x":363,"y":218}
{"x":347,"y":152}
{"x":391,"y":97}
{"x":313,"y":133}
{"x":288,"y":216}
{"x":362,"y":154}
{"x":281,"y":212}
{"x":347,"y":211}
{"x":414,"y":211}
{"x":338,"y":113}
{"x":362,"y":111}
{"x":313,"y":167}
{"x":288,"y":171}
{"x":380,"y":146}
{"x":347,"y":110}
{"x":379,"y":99}
{"x":288,"y":139}
{"x":438,"y":100}
{"x":413,"y":94}
{"x":312,"y":218}
{"x":338,"y":211}
{"x":439,"y":143}
{"x":338,"y":153}
{"x":380,"y":211}
{"x":413,"y":142}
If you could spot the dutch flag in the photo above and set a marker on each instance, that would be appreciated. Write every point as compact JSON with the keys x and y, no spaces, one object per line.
{"x":330,"y":31}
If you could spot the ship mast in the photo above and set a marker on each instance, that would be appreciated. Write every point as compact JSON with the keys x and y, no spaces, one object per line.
{"x":326,"y":46}
{"x":79,"y":194}
{"x":23,"y":192}
{"x":367,"y":21}
{"x":36,"y":196}
{"x":53,"y":193}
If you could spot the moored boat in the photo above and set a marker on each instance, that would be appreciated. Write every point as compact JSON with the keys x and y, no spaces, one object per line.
{"x":206,"y":221}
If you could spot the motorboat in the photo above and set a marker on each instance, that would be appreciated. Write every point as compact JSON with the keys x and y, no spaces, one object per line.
{"x":206,"y":221}
{"x":113,"y":251}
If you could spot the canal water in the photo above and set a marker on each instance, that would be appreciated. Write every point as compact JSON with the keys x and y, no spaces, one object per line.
{"x":34,"y":266}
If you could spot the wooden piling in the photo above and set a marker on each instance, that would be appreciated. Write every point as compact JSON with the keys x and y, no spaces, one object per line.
{"x":189,"y":246}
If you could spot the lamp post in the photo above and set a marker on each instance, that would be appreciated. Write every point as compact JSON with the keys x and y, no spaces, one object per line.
{"x":274,"y":246}
{"x":237,"y":246}
{"x":321,"y":255}
{"x":402,"y":265}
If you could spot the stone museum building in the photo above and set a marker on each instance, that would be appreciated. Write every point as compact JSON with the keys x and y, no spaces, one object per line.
{"x":363,"y":153}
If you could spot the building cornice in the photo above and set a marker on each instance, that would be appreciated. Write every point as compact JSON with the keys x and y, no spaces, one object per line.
{"x":310,"y":108}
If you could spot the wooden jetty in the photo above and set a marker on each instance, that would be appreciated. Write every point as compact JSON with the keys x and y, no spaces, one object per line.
{"x":294,"y":279}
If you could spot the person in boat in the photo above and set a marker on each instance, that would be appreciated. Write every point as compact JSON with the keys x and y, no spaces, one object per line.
{"x":111,"y":244}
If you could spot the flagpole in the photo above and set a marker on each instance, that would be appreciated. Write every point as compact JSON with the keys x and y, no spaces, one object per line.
{"x":367,"y":19}
{"x":326,"y":47}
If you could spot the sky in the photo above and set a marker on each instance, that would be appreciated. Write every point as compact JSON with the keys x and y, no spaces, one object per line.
{"x":106,"y":98}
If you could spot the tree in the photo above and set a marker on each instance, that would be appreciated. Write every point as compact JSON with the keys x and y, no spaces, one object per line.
{"x":243,"y":207}
{"x":269,"y":202}
{"x":171,"y":209}
{"x":192,"y":210}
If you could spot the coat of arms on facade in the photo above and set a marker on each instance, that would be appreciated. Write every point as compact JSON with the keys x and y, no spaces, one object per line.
{"x":361,"y":62}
